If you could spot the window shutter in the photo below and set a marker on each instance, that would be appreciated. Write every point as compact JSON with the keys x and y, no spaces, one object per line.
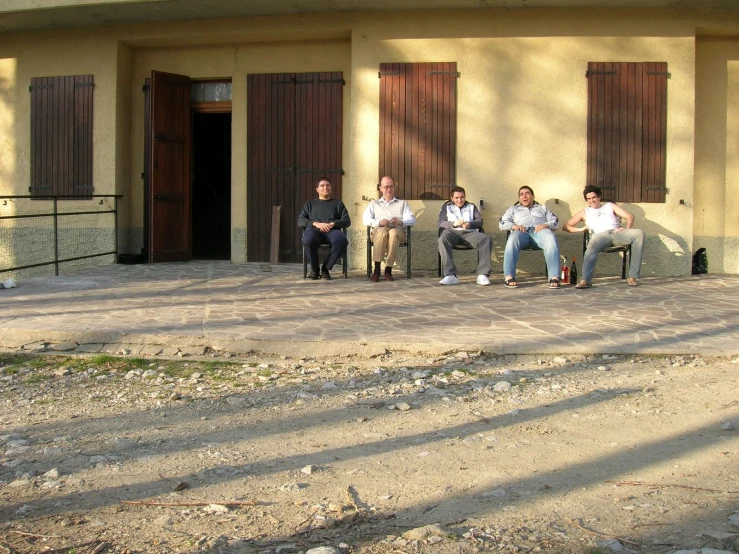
{"x":418,"y":127}
{"x":627,"y":111}
{"x":61,"y":136}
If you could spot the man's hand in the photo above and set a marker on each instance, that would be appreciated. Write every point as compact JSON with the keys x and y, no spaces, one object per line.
{"x":466,"y":225}
{"x":540,"y":227}
{"x":323,"y":227}
{"x":518,"y":228}
{"x":384,"y":222}
{"x":618,"y":231}
{"x":396,"y":222}
{"x":458,"y":223}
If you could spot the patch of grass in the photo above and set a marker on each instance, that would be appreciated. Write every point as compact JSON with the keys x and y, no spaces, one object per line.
{"x":37,"y":362}
{"x":37,"y":379}
{"x":9,"y":370}
{"x":103,"y":359}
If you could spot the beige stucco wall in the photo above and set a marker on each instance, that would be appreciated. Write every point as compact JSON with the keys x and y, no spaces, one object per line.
{"x":521,"y":105}
{"x":522,"y":117}
{"x":717,"y":152}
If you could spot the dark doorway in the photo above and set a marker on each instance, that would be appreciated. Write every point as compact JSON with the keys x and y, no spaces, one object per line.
{"x":211,"y":186}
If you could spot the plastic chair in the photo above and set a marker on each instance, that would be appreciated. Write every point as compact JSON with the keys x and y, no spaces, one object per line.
{"x":327,"y":249}
{"x":404,"y":244}
{"x":624,"y":250}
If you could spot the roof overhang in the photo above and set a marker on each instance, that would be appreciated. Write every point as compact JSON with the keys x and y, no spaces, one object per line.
{"x":21,"y":15}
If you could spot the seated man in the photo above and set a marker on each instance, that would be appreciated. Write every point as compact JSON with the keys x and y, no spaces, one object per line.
{"x":461,"y":223}
{"x":322,"y":220}
{"x":388,"y":216}
{"x":530,"y":223}
{"x":604,"y":222}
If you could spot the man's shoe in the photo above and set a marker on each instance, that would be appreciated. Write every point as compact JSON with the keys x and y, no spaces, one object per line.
{"x":389,"y":276}
{"x":449,"y":280}
{"x":375,"y":277}
{"x":314,"y":275}
{"x":483,"y":280}
{"x":325,"y":274}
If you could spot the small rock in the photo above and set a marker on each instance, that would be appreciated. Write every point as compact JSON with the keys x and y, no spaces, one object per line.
{"x":310,"y":469}
{"x":150,"y":374}
{"x":497,"y":493}
{"x":287,"y":549}
{"x":402,"y":406}
{"x":328,"y":385}
{"x":52,"y":473}
{"x":291,"y":487}
{"x":702,"y":551}
{"x":175,"y":396}
{"x":24,"y":510}
{"x":163,"y":521}
{"x":734,"y":520}
{"x":62,"y":371}
{"x":728,"y":426}
{"x":237,"y":400}
{"x":323,"y":550}
{"x":602,"y":368}
{"x":19,"y":483}
{"x":559,"y":360}
{"x":215,"y":509}
{"x":502,"y":386}
{"x":420,"y":533}
{"x":610,"y":544}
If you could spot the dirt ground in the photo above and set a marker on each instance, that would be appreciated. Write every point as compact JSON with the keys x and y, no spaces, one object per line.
{"x":466,"y":452}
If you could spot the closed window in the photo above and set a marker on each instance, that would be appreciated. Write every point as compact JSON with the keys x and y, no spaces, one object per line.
{"x":627,"y":114}
{"x":61,"y":136}
{"x":418,"y":128}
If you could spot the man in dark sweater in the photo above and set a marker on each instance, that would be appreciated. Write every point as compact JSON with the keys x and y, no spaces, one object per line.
{"x":322,"y":220}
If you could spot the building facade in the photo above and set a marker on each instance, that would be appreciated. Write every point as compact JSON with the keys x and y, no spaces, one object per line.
{"x":205,"y":119}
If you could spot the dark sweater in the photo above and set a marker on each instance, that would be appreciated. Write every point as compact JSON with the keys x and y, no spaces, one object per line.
{"x":324,"y":211}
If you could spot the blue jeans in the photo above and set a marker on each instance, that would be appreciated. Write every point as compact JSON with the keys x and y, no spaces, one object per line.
{"x":601,"y":241}
{"x":543,"y":240}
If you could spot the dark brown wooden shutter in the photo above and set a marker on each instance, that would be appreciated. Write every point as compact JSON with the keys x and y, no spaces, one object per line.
{"x":627,"y":111}
{"x":418,"y":127}
{"x":294,"y":138}
{"x":61,"y":136}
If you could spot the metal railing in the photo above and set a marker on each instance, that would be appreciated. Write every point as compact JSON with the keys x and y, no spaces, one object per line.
{"x":56,"y":215}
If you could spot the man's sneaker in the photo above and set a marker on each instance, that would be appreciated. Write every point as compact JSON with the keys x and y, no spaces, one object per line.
{"x":314,"y":275}
{"x":325,"y":274}
{"x":483,"y":280}
{"x":449,"y":280}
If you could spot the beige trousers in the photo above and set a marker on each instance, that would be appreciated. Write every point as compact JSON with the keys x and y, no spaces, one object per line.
{"x":385,"y":240}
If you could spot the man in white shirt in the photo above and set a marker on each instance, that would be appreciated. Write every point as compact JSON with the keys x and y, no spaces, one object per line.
{"x":388,"y":216}
{"x":604,"y":222}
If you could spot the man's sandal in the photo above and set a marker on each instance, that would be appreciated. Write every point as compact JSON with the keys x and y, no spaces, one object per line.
{"x":632,"y":282}
{"x":554,"y":283}
{"x":510,"y":284}
{"x":583,"y":285}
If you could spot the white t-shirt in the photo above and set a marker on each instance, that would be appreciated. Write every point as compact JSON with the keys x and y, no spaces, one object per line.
{"x":602,"y":219}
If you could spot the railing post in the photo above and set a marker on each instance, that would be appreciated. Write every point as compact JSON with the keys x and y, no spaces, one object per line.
{"x":56,"y":239}
{"x":115,"y":227}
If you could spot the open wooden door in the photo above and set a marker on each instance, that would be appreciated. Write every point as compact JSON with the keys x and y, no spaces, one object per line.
{"x":169,"y":168}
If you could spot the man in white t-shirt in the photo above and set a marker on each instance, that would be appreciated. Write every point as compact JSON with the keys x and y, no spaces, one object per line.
{"x":388,"y":217}
{"x":604,"y":222}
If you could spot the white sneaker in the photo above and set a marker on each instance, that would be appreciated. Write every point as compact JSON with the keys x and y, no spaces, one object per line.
{"x":449,"y":280}
{"x":483,"y":280}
